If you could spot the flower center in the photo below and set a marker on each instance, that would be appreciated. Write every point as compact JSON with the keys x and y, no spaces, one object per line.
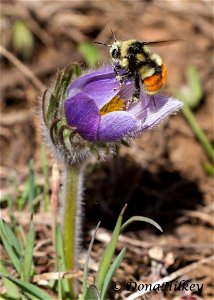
{"x":115,"y":104}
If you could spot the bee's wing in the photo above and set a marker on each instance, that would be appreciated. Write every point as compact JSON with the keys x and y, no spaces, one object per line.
{"x":162,"y":43}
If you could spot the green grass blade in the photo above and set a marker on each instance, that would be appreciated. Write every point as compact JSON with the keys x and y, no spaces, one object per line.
{"x":92,"y":293}
{"x":209,"y":169}
{"x":195,"y":85}
{"x":11,"y":237}
{"x":45,"y":175}
{"x":12,"y":290}
{"x":85,"y":273}
{"x":32,"y":192}
{"x":90,"y":53}
{"x":78,"y":70}
{"x":141,"y":219}
{"x":26,"y":296}
{"x":10,"y":249}
{"x":59,"y":292}
{"x":59,"y":247}
{"x":60,"y":258}
{"x":192,"y":92}
{"x":197,"y":130}
{"x":22,"y":199}
{"x":28,"y":255}
{"x":22,"y":39}
{"x":191,"y":95}
{"x":111,"y":272}
{"x":29,"y":288}
{"x":108,"y":253}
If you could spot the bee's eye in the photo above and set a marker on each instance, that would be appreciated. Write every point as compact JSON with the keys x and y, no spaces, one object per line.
{"x":114,"y":53}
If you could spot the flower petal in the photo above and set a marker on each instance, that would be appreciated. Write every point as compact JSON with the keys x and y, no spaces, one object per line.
{"x":101,"y":85}
{"x":116,"y":125}
{"x":127,"y":89}
{"x":138,"y":109}
{"x":165,"y":106}
{"x":82,"y":113}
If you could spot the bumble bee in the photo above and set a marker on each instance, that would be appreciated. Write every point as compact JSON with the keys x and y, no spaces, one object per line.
{"x":135,"y":60}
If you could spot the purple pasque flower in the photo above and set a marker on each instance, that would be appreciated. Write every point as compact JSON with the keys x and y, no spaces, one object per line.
{"x":97,"y":107}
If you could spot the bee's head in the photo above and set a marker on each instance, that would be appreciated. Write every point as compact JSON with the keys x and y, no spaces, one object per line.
{"x":115,"y":50}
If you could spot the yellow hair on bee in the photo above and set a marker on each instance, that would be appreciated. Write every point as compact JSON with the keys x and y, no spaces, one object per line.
{"x":146,"y":71}
{"x":140,"y":57}
{"x":124,"y":62}
{"x":146,"y":49}
{"x":157,"y":59}
{"x":125,"y":46}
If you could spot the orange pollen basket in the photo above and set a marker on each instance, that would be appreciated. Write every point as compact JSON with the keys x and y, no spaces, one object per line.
{"x":156,"y":82}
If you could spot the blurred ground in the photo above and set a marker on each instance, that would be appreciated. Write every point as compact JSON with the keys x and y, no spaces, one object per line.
{"x":161,"y":175}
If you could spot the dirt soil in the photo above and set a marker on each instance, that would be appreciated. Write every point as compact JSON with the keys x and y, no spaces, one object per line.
{"x":161,"y":175}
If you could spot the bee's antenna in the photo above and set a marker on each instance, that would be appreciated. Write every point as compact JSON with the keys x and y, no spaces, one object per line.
{"x":113,"y":35}
{"x":102,"y":44}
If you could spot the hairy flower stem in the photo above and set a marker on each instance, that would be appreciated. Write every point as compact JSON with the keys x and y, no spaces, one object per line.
{"x":72,"y":220}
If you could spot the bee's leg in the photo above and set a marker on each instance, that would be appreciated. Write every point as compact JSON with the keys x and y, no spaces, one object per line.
{"x":117,"y":75}
{"x":120,"y":78}
{"x":116,"y":70}
{"x":136,"y":96}
{"x":121,"y":82}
